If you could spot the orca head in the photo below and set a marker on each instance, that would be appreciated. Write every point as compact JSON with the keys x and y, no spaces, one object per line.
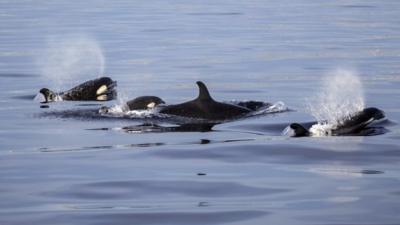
{"x":297,"y":130}
{"x":105,"y":88}
{"x":204,"y":95}
{"x":374,"y":113}
{"x":48,"y":95}
{"x":144,"y":103}
{"x":154,"y":101}
{"x":158,"y":100}
{"x":105,"y":80}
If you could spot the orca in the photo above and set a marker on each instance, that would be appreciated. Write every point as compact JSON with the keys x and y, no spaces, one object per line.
{"x":205,"y":107}
{"x":101,"y":89}
{"x":139,"y":103}
{"x":144,"y":102}
{"x":352,"y":125}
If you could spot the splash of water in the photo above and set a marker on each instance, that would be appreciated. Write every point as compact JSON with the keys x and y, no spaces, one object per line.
{"x":122,"y":111}
{"x":70,"y":58}
{"x":340,"y":97}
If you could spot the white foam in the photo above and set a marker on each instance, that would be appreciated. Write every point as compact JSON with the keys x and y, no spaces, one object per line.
{"x":321,"y":129}
{"x":141,"y":113}
{"x":122,"y":110}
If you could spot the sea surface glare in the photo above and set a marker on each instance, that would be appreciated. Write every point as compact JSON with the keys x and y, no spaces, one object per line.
{"x":67,"y":165}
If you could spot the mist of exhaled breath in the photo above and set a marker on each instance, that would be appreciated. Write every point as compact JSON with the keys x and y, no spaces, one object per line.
{"x":341,"y":96}
{"x":70,"y":59}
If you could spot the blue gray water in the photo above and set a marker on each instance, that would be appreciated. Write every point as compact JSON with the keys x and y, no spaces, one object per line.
{"x":81,"y":170}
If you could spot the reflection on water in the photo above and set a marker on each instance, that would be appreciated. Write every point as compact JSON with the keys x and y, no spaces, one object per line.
{"x":17,"y":75}
{"x":140,"y":189}
{"x":179,"y":218}
{"x":199,"y":127}
{"x":137,"y":145}
{"x":100,"y":148}
{"x":344,"y":171}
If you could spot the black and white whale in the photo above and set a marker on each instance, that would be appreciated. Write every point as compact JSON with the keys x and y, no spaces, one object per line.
{"x":139,"y":103}
{"x":144,"y":102}
{"x":205,"y":107}
{"x":101,"y":89}
{"x":353,"y":125}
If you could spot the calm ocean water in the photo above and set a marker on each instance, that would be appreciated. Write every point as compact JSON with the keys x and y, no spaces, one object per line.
{"x":68,"y":168}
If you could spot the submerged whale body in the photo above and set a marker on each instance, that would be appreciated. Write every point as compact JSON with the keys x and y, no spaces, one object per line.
{"x":101,"y":89}
{"x":353,"y":125}
{"x":205,"y":107}
{"x":253,"y":105}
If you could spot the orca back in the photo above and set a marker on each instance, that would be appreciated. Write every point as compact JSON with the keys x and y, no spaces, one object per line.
{"x":359,"y":121}
{"x":101,"y":89}
{"x":205,"y":107}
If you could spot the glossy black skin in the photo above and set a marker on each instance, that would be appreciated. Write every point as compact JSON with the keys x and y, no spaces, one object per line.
{"x":354,"y":125}
{"x":49,"y":95}
{"x":142,"y":102}
{"x":253,"y":105}
{"x":359,"y":121}
{"x":299,"y":130}
{"x":85,"y":91}
{"x":204,"y":107}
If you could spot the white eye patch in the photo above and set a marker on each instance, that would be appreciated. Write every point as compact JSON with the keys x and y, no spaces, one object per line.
{"x":151,"y":105}
{"x":102,"y":98}
{"x":102,"y":89}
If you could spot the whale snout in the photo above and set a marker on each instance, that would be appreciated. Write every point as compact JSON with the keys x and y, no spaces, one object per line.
{"x":46,"y":95}
{"x":295,"y":130}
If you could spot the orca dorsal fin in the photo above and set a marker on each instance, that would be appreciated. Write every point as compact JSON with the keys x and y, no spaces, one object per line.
{"x":203,"y":92}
